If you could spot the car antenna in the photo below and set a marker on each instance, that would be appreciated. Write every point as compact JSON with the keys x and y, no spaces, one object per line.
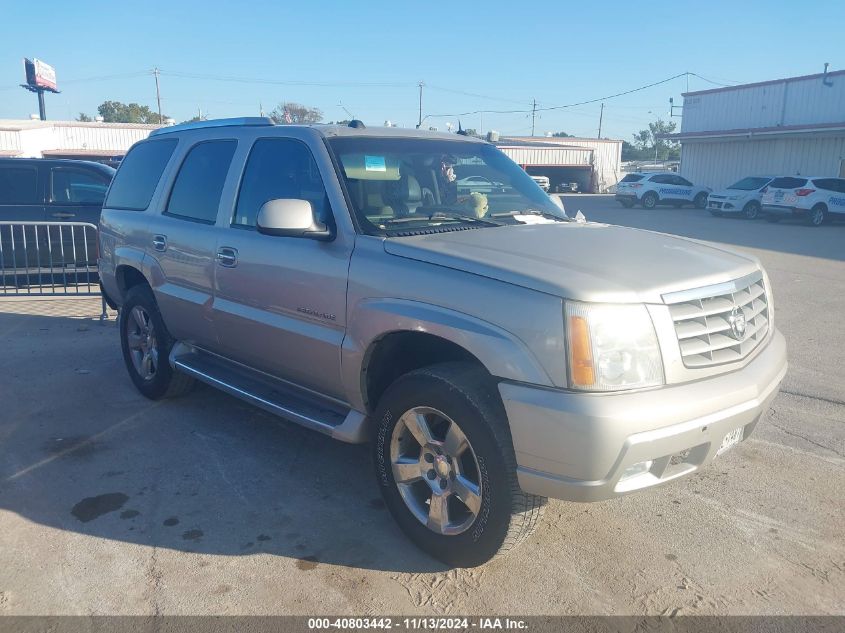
{"x":461,"y":131}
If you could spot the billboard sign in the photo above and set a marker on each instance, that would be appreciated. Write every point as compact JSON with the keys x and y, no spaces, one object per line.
{"x":39,"y":74}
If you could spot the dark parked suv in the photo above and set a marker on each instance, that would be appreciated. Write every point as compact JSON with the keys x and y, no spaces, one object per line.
{"x":45,"y":190}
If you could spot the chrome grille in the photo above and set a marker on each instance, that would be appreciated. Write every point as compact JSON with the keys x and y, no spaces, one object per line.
{"x":703,"y":316}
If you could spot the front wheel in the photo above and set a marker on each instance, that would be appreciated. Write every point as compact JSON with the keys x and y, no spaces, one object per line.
{"x":446,"y":467}
{"x":700,"y":200}
{"x":752,"y":210}
{"x":650,"y":200}
{"x":817,"y":215}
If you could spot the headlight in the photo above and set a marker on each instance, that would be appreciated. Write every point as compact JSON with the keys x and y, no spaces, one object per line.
{"x":737,"y":197}
{"x":611,"y":347}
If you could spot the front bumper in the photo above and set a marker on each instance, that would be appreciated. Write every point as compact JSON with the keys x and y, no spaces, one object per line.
{"x":576,"y":446}
{"x":626,"y":197}
{"x":784,"y":211}
{"x":724,"y":205}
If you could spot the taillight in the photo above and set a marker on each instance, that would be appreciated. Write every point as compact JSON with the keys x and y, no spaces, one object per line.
{"x":804,"y":192}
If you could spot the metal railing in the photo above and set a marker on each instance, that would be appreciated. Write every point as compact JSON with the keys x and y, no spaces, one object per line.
{"x":41,"y":259}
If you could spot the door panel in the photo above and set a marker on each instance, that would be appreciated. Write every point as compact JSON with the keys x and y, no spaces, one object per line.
{"x":281,"y":308}
{"x":74,"y":195}
{"x":21,"y":200}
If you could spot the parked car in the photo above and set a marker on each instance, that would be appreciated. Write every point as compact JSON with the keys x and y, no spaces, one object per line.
{"x":493,"y":358}
{"x":567,"y":187}
{"x":479,"y":184}
{"x":651,"y":189}
{"x":816,"y":200}
{"x":743,"y":197}
{"x":47,"y":190}
{"x":542,"y":181}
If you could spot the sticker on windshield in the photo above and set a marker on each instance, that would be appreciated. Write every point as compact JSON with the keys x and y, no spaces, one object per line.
{"x":374,"y":163}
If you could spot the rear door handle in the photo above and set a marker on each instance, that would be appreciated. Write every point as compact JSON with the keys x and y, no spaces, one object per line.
{"x":64,"y":214}
{"x":227,"y":256}
{"x":160,"y":243}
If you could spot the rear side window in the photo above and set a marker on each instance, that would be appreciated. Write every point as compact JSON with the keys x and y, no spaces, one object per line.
{"x":139,"y":173}
{"x":196,"y":192}
{"x":830,"y":184}
{"x":678,"y":180}
{"x":632,"y":178}
{"x":18,"y":185}
{"x":73,"y":186}
{"x":788,"y":182}
{"x":279,"y":168}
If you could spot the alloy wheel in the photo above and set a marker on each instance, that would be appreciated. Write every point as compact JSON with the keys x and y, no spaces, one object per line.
{"x":141,"y":339}
{"x":436,"y":470}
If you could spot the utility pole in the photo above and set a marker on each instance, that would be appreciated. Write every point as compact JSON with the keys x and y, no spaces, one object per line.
{"x":601,"y":116}
{"x":419,"y":123}
{"x":533,"y":114}
{"x":158,"y":96}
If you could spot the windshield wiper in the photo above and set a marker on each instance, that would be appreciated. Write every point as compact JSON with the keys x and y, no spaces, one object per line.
{"x":440,"y":215}
{"x":545,"y":214}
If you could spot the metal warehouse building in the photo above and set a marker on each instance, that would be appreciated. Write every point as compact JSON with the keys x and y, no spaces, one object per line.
{"x":69,"y":139}
{"x":595,"y":164}
{"x":782,"y":127}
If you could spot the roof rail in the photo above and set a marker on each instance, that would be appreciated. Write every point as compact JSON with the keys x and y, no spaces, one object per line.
{"x":253,"y":121}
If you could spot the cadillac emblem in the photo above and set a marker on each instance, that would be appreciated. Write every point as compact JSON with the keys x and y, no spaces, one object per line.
{"x":736,"y":320}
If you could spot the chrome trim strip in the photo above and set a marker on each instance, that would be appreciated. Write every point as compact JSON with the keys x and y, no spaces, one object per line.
{"x":727,"y":287}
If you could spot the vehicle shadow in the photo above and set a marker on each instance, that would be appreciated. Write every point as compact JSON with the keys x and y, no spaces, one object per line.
{"x":82,"y":451}
{"x":787,"y":236}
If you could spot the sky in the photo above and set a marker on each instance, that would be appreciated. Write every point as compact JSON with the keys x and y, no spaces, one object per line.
{"x":366,"y":59}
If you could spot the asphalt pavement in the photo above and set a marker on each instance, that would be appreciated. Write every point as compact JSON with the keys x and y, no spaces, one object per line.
{"x":112,"y":504}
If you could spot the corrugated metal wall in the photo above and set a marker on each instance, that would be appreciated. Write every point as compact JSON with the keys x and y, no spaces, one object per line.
{"x":718,"y":164}
{"x":606,"y":156}
{"x":788,"y":102}
{"x":34,"y":138}
{"x":527,"y":155}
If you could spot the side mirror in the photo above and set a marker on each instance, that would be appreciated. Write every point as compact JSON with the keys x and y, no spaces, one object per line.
{"x":290,"y":217}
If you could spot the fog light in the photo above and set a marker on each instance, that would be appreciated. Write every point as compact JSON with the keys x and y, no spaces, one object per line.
{"x":636,"y":469}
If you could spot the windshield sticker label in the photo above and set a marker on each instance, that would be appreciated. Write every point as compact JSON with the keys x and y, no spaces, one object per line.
{"x":374,"y":163}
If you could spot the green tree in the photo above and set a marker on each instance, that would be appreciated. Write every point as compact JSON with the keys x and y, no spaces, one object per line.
{"x":647,"y":145}
{"x":298,"y":113}
{"x":117,"y":112}
{"x":561,"y":135}
{"x":84,"y":118}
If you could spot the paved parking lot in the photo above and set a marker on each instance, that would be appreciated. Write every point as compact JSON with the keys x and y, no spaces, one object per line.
{"x":110,"y":503}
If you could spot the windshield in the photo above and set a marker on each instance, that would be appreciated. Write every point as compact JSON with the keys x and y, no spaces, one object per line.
{"x":750,"y":184}
{"x":399,"y":186}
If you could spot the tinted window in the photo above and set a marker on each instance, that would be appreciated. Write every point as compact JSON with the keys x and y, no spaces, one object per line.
{"x":661,"y":180}
{"x":681,"y":181}
{"x":17,"y":185}
{"x":632,"y":178}
{"x":279,"y":168}
{"x":829,"y":184}
{"x":71,"y":186}
{"x":139,"y":173}
{"x":751,"y":183}
{"x":788,"y":182}
{"x":196,"y":192}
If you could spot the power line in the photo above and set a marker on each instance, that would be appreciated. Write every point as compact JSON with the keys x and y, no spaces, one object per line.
{"x":285,"y":82}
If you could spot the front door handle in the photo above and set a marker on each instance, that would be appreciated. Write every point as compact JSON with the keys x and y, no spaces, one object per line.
{"x":64,"y":214}
{"x":227,"y":256}
{"x":160,"y":243}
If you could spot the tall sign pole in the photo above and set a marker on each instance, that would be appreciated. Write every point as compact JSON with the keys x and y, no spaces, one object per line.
{"x":40,"y":78}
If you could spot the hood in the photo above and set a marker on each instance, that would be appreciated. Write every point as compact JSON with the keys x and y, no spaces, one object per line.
{"x":727,"y":193}
{"x":588,"y":262}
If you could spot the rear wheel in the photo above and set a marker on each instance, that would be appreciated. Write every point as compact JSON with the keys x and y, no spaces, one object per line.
{"x":446,"y":467}
{"x":752,"y":210}
{"x":817,"y":215}
{"x":146,"y":346}
{"x":649,"y":200}
{"x":700,"y":200}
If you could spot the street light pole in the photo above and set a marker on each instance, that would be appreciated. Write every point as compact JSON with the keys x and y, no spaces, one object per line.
{"x":419,"y":122}
{"x":158,"y":97}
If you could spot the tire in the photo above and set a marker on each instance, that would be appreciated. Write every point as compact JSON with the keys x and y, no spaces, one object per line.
{"x":818,"y":215}
{"x":626,"y":203}
{"x":700,"y":201}
{"x":751,"y":211}
{"x":146,"y":346}
{"x":649,"y":200}
{"x":433,"y":399}
{"x":715,"y":214}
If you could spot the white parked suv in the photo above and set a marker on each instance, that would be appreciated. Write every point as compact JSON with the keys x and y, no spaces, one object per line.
{"x":744,"y":196}
{"x":651,"y":189}
{"x":814,"y":199}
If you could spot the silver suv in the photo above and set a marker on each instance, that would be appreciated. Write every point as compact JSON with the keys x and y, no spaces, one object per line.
{"x":493,"y":350}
